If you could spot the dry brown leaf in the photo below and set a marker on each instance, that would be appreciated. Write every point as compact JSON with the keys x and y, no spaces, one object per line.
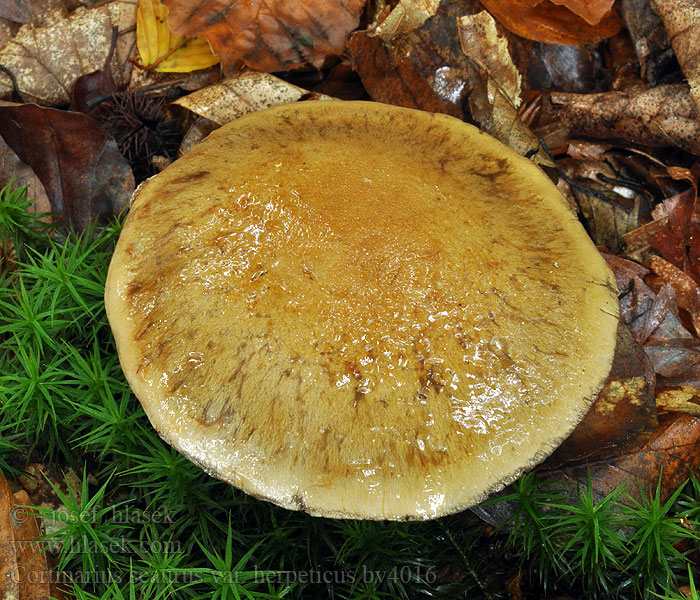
{"x":624,"y":415}
{"x":271,"y":35}
{"x":674,"y":359}
{"x":662,"y":116}
{"x":83,"y":172}
{"x":648,"y":37}
{"x":21,"y":174}
{"x":38,"y":13}
{"x":405,"y":17}
{"x":549,"y":23}
{"x":241,"y":94}
{"x":608,"y":210}
{"x":681,"y":19}
{"x":670,"y":455}
{"x":480,"y":41}
{"x":641,"y":309}
{"x":672,"y":239}
{"x":687,"y":291}
{"x":47,"y":60}
{"x":591,"y":11}
{"x":427,"y":69}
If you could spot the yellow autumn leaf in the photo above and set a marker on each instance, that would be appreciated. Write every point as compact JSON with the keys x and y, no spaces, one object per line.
{"x":162,"y":50}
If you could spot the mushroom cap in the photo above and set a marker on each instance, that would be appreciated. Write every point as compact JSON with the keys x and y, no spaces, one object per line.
{"x":360,"y":310}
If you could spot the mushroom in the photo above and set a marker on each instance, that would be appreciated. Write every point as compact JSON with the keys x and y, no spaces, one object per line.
{"x":360,"y":310}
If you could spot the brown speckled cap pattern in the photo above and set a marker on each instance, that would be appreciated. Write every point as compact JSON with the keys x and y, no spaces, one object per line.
{"x":360,"y":310}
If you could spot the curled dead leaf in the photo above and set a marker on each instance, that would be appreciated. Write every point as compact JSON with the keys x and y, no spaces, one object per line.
{"x":406,"y":16}
{"x":480,"y":41}
{"x":241,"y":94}
{"x":687,"y":290}
{"x":549,"y":23}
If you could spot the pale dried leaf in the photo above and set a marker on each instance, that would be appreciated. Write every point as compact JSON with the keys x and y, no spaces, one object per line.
{"x":480,"y":41}
{"x":242,"y":94}
{"x":406,"y":16}
{"x":681,"y":19}
{"x":682,"y":399}
{"x":200,"y":129}
{"x":47,"y":60}
{"x":591,"y":11}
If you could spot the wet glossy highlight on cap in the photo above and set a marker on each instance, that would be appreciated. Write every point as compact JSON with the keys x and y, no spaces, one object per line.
{"x":359,"y":310}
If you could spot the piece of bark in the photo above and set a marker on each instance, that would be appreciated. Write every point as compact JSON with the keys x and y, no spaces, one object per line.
{"x":25,"y":568}
{"x":658,"y":117}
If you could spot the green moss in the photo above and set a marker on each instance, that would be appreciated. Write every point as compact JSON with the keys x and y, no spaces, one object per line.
{"x":156,"y":526}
